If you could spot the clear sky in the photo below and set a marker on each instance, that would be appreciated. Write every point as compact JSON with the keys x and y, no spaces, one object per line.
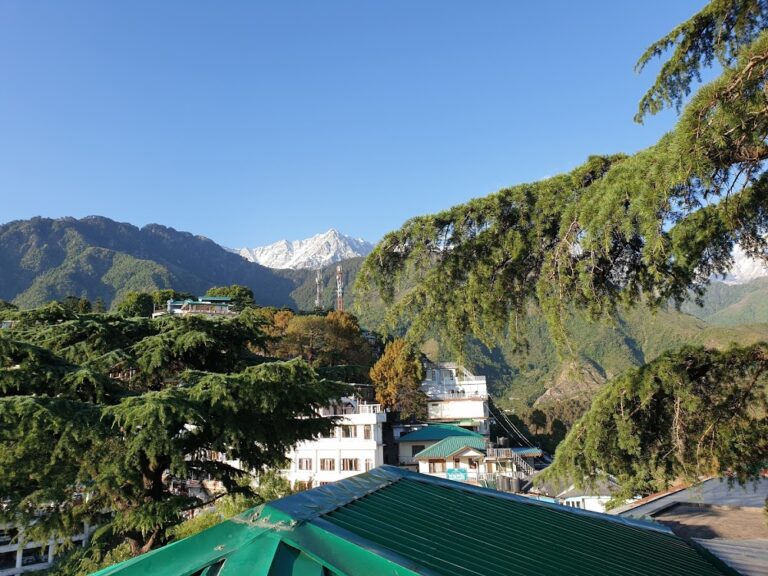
{"x":248,"y":122}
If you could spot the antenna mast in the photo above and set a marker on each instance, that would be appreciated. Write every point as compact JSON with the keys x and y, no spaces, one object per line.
{"x":339,"y":289}
{"x":318,"y":281}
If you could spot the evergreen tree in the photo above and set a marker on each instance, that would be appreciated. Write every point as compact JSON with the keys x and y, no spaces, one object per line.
{"x":100,"y":412}
{"x":619,"y":229}
{"x":688,"y":414}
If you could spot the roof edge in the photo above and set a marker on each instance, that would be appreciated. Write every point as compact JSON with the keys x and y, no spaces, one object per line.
{"x":318,"y":501}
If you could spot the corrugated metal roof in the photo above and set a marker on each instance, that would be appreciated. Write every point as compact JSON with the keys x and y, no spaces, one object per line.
{"x":527,"y":452}
{"x":451,"y":445}
{"x":390,"y":521}
{"x":438,"y":432}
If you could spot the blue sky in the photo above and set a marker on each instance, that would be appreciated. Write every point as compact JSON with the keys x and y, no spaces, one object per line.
{"x":249,"y":122}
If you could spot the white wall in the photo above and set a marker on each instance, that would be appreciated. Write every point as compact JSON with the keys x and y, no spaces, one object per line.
{"x":337,"y":447}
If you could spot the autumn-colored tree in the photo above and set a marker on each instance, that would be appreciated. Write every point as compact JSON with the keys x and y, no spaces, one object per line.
{"x":324,"y":341}
{"x":397,"y":378}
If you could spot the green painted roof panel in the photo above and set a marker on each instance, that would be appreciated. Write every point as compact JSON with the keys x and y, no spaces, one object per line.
{"x":398,"y":523}
{"x":438,"y":432}
{"x":450,"y":446}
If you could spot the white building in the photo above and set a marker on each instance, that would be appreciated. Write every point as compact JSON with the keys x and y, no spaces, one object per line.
{"x":212,"y":306}
{"x":354,"y":446}
{"x":456,"y":396}
{"x":16,"y":558}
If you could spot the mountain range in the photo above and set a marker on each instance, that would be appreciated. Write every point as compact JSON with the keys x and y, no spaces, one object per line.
{"x":316,"y":252}
{"x":43,"y":259}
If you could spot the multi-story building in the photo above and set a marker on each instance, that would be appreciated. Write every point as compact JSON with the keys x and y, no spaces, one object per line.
{"x":355,"y":445}
{"x":455,"y":396}
{"x":19,"y":557}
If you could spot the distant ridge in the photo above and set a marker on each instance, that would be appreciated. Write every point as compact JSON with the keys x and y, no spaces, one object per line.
{"x":44,"y":259}
{"x":316,"y":252}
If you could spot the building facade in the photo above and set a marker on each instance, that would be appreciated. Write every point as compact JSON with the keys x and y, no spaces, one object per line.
{"x":19,"y":557}
{"x":354,"y":446}
{"x":456,"y":396}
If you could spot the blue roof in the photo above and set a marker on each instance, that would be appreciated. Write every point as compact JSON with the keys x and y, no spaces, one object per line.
{"x":435,"y":432}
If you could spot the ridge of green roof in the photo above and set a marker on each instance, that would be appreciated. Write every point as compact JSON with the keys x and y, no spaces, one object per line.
{"x":395,"y":522}
{"x":438,"y":432}
{"x":450,"y":445}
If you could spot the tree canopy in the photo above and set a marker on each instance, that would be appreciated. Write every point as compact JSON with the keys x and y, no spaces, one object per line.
{"x":690,"y":413}
{"x":100,"y":412}
{"x":242,"y":296}
{"x":333,"y":339}
{"x":617,"y":230}
{"x":397,"y":378}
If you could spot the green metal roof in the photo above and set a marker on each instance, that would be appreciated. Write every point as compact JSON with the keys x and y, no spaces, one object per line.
{"x":527,"y":452}
{"x":449,"y":446}
{"x":438,"y":432}
{"x":399,"y":523}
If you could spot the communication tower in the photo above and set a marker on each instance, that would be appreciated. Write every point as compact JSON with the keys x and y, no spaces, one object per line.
{"x":318,"y":282}
{"x":339,"y":289}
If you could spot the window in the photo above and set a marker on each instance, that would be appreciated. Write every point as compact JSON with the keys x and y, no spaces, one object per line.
{"x":324,"y":483}
{"x":305,"y":463}
{"x":8,"y":560}
{"x":327,"y":464}
{"x":437,"y":466}
{"x":349,"y":431}
{"x":416,"y":448}
{"x":367,"y":432}
{"x":298,"y":486}
{"x":456,"y":462}
{"x":350,"y":464}
{"x":368,"y":464}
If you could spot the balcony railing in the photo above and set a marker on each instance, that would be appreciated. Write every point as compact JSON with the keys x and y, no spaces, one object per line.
{"x":352,"y":409}
{"x":442,"y":394}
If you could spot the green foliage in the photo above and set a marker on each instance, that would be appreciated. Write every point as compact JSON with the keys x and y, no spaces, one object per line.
{"x":136,"y":304}
{"x":615,"y":231}
{"x":94,"y":257}
{"x":75,"y":304}
{"x":397,"y":378}
{"x":100,"y":412}
{"x":718,"y":32}
{"x":328,"y":341}
{"x":242,"y":296}
{"x":160,"y":297}
{"x":271,"y":486}
{"x":688,"y":414}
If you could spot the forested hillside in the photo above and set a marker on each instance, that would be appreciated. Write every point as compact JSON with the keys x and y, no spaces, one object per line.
{"x":44,"y":259}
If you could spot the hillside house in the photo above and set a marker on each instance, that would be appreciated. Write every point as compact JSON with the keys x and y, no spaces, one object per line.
{"x":455,"y":396}
{"x":214,"y":306}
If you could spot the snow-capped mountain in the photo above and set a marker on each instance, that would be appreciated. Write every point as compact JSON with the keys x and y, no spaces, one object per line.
{"x":315,"y":252}
{"x":744,"y":268}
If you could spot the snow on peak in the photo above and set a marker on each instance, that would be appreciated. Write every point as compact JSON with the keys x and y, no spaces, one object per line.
{"x":315,"y":252}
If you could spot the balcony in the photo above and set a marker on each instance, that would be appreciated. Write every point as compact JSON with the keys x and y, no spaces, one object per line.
{"x":350,"y":408}
{"x":464,"y":393}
